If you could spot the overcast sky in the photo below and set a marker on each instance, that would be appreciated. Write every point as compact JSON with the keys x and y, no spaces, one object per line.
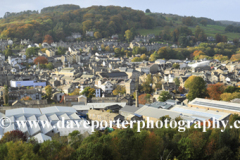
{"x":214,"y":9}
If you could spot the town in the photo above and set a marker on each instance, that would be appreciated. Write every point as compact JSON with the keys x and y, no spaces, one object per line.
{"x":117,"y":73}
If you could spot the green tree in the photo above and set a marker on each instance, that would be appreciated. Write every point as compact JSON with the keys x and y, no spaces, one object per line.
{"x":176,"y":66}
{"x":8,"y":52}
{"x":128,"y":35}
{"x":177,"y":81}
{"x":147,"y":11}
{"x":196,"y":86}
{"x":88,"y":92}
{"x":32,"y":51}
{"x":49,"y":66}
{"x":164,"y":95}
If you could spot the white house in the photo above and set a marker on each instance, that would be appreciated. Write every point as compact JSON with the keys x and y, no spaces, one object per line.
{"x":169,"y":78}
{"x":107,"y":87}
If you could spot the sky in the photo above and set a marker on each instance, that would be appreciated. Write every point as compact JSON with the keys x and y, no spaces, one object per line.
{"x":214,"y":9}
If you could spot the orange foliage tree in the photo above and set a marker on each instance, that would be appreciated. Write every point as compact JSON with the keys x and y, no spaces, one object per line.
{"x":215,"y":90}
{"x":48,"y":39}
{"x":235,"y":57}
{"x":40,"y":60}
{"x":27,"y":98}
{"x":144,"y":98}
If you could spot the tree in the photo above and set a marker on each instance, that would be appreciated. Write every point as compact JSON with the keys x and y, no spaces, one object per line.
{"x":203,"y":22}
{"x":137,"y":59}
{"x":230,"y":96}
{"x":147,"y":11}
{"x":5,"y":95}
{"x":144,"y":98}
{"x":177,"y":82}
{"x":107,"y":48}
{"x":27,"y":98}
{"x":31,"y":52}
{"x":128,"y":35}
{"x":8,"y":52}
{"x":215,"y":90}
{"x":181,"y":89}
{"x":220,"y":57}
{"x":20,"y":150}
{"x":48,"y":39}
{"x":147,"y":85}
{"x":164,"y":95}
{"x":49,"y":66}
{"x":143,"y":57}
{"x":97,"y":35}
{"x":119,"y":89}
{"x":40,"y":60}
{"x":231,"y":89}
{"x":76,"y":92}
{"x":48,"y":90}
{"x":13,"y":136}
{"x":88,"y":92}
{"x":75,"y":139}
{"x":176,"y":66}
{"x":196,"y":86}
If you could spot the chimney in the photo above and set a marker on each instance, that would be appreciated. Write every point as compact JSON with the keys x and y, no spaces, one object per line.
{"x":137,"y":104}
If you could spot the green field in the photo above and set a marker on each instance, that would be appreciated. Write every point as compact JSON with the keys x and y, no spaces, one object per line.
{"x":210,"y":30}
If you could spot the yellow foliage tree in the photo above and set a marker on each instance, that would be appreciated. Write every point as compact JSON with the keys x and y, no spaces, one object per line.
{"x":230,"y":96}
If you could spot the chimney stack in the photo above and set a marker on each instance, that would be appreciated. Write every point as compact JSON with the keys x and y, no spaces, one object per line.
{"x":137,"y":104}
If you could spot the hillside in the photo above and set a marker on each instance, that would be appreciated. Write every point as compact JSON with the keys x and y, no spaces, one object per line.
{"x":60,"y":21}
{"x":107,"y":21}
{"x":60,"y":8}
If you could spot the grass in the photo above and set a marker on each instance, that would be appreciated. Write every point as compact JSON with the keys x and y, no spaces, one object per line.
{"x":210,"y":30}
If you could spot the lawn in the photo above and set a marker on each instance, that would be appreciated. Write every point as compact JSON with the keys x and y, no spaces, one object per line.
{"x":210,"y":30}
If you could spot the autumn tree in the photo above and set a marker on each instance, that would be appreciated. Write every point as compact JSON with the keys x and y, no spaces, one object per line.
{"x":196,"y":86}
{"x":5,"y":95}
{"x":97,"y":35}
{"x":107,"y":48}
{"x":40,"y":60}
{"x":75,"y":92}
{"x":164,"y":95}
{"x":48,"y":39}
{"x":220,"y":57}
{"x":13,"y":136}
{"x":215,"y":90}
{"x":143,"y":57}
{"x":137,"y":59}
{"x":181,"y":89}
{"x":230,"y":96}
{"x":119,"y":89}
{"x":128,"y":35}
{"x":48,"y":91}
{"x":27,"y":98}
{"x":144,"y":98}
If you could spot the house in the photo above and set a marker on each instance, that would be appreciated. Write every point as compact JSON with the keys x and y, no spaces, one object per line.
{"x":114,"y":75}
{"x":14,"y":95}
{"x":50,"y":52}
{"x":89,"y":33}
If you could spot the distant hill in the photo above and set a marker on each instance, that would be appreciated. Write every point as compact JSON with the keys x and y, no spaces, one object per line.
{"x":225,"y":22}
{"x":60,"y":8}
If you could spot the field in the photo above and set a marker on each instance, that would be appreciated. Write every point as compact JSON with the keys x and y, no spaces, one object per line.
{"x":210,"y":30}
